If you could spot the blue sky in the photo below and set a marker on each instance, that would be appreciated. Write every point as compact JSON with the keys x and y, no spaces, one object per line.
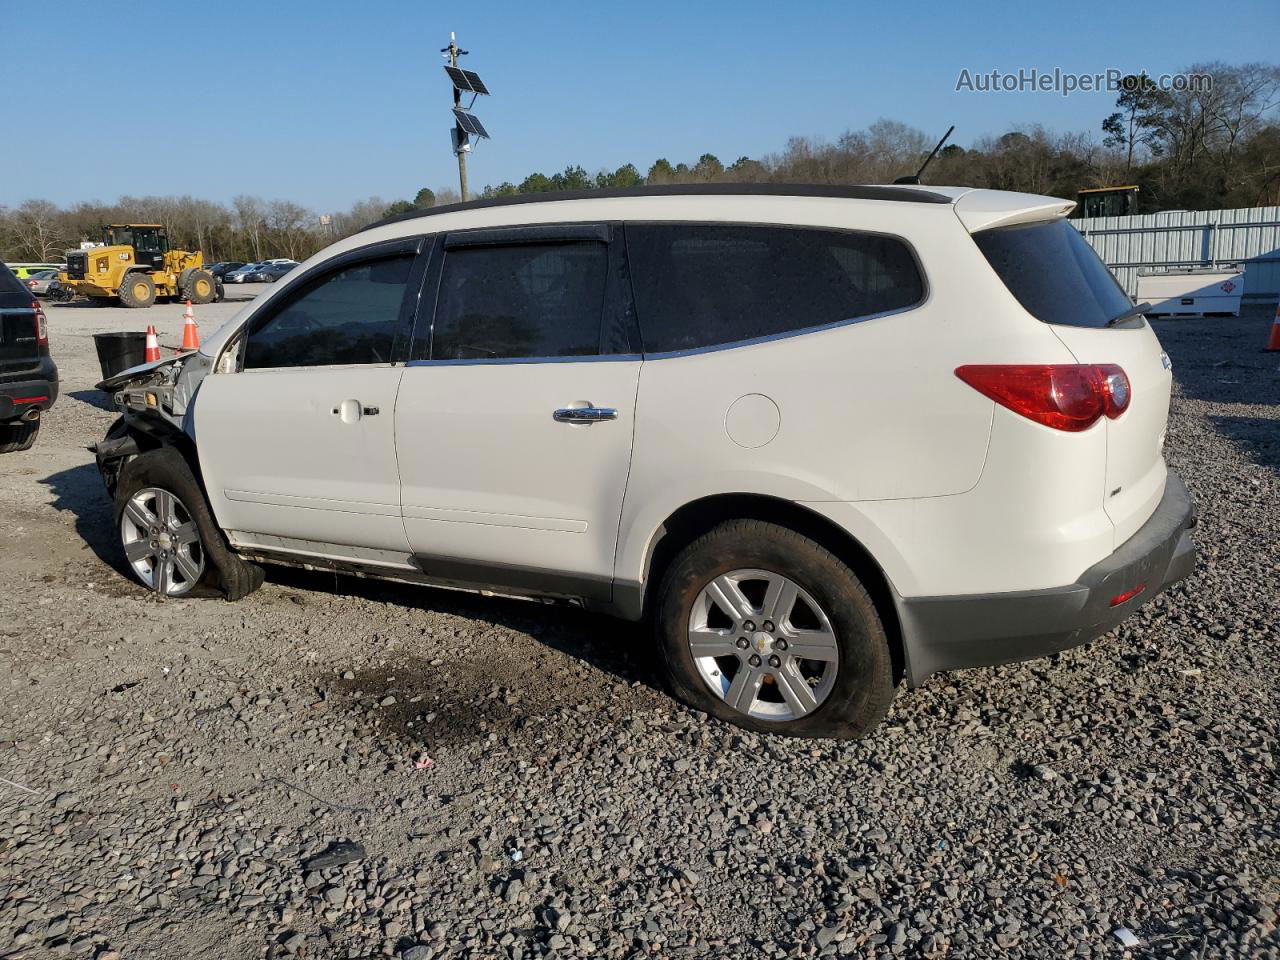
{"x":326,"y":102}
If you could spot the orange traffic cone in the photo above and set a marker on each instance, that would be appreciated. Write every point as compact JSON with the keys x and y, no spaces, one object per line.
{"x":153,"y":346}
{"x":190,"y":334}
{"x":1274,"y":342}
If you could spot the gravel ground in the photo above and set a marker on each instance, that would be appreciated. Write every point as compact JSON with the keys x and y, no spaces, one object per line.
{"x":518,"y":786}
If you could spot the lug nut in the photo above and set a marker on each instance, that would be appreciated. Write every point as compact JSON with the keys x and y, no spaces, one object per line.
{"x":748,"y":626}
{"x":754,"y":660}
{"x":768,"y":626}
{"x":775,"y":662}
{"x":780,"y":644}
{"x":742,"y":643}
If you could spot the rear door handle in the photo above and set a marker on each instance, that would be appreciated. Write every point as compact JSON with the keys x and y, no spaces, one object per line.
{"x":584,"y":414}
{"x":350,"y":411}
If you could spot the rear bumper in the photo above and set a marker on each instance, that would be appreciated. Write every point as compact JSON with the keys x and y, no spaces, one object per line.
{"x":950,"y":633}
{"x":17,"y":397}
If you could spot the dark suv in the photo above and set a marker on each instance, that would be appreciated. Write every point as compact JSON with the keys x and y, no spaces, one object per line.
{"x":28,"y":376}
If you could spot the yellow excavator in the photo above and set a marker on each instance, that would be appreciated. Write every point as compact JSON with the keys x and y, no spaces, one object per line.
{"x":135,"y":265}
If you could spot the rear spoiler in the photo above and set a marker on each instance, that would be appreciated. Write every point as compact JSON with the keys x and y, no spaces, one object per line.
{"x":984,"y":209}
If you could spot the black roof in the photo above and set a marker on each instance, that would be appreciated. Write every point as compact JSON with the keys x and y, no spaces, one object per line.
{"x":897,"y":194}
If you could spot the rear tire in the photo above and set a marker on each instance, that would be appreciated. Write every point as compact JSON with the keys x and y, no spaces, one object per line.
{"x":19,"y":435}
{"x":793,"y":595}
{"x":138,"y":290}
{"x":213,"y":568}
{"x":198,"y":288}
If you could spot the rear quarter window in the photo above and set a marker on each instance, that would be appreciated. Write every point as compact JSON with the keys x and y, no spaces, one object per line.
{"x":1054,"y":273}
{"x":704,"y":285}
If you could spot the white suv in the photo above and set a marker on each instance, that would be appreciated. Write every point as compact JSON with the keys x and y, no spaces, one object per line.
{"x":821,"y":438}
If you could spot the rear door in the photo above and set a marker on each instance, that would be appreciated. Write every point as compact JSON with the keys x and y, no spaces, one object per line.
{"x":514,"y":422}
{"x":1061,"y":281}
{"x":297,"y":447}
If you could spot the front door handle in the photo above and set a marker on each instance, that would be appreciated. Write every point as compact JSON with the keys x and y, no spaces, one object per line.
{"x":584,"y":412}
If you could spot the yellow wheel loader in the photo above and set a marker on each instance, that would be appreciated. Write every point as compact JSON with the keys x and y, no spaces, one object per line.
{"x":136,"y":265}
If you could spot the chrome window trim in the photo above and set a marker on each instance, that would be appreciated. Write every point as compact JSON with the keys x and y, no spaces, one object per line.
{"x":499,"y":361}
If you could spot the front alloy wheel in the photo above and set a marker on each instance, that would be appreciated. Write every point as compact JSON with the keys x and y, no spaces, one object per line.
{"x":763,"y":645}
{"x":162,"y":542}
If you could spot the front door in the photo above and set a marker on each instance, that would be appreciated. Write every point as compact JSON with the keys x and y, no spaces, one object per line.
{"x":297,"y":447}
{"x":514,"y":423}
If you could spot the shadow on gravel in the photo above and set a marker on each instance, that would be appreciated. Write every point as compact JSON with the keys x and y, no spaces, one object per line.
{"x":94,"y":398}
{"x":1220,"y":359}
{"x":80,"y":491}
{"x":1257,"y":438}
{"x":492,"y":693}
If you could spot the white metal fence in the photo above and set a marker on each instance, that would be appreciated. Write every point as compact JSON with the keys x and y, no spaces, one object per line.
{"x":1190,"y":238}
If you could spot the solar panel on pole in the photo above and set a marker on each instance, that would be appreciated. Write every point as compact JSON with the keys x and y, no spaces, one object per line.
{"x":467,"y":80}
{"x":470,"y":123}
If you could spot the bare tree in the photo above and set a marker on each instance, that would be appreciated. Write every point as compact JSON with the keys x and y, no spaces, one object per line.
{"x":249,"y":223}
{"x":37,"y":232}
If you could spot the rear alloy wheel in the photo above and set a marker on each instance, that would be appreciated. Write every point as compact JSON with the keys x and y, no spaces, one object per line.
{"x":764,"y":628}
{"x":763,"y":645}
{"x":137,"y":290}
{"x":162,"y":542}
{"x":198,"y":288}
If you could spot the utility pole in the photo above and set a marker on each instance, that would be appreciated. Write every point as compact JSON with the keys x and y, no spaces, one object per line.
{"x":465,"y":123}
{"x":461,"y":139}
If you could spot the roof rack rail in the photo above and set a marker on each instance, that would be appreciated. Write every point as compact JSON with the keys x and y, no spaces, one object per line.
{"x":895,"y":194}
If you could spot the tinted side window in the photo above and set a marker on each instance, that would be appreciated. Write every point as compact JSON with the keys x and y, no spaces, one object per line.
{"x":527,"y":300}
{"x":1054,"y":273}
{"x":699,"y":285}
{"x":348,"y":316}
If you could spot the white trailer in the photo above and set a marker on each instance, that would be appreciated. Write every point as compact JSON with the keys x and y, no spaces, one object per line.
{"x":1183,"y":291}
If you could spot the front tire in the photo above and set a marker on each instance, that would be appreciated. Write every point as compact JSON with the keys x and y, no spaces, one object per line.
{"x":198,"y":288}
{"x":138,"y":290}
{"x":171,"y":542}
{"x":766,"y":629}
{"x":19,"y":435}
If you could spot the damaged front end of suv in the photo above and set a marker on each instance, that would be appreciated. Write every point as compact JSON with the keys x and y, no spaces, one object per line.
{"x":153,"y":401}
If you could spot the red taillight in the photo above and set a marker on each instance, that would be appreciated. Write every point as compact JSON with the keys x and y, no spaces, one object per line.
{"x":31,"y":284}
{"x":1064,"y":396}
{"x":1128,"y":595}
{"x":42,"y":326}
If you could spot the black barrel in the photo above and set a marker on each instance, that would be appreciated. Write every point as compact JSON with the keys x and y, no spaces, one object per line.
{"x":120,"y":351}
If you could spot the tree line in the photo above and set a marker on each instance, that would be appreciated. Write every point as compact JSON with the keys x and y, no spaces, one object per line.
{"x":1193,"y":149}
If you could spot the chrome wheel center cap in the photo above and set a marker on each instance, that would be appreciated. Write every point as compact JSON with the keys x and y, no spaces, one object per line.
{"x":762,"y":642}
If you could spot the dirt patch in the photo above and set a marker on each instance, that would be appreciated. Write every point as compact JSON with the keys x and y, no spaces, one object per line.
{"x":431,"y":703}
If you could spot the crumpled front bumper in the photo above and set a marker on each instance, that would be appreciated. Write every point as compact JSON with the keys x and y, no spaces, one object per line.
{"x":950,"y":633}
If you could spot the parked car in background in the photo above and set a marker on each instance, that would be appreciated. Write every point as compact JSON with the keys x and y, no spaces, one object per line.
{"x":819,"y":438}
{"x":39,"y":281}
{"x":292,"y":263}
{"x":23,"y":271}
{"x":271,"y":272}
{"x":219,"y":270}
{"x":240,"y":274}
{"x":28,"y":376}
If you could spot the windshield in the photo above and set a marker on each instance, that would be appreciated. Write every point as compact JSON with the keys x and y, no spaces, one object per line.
{"x":1054,"y":273}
